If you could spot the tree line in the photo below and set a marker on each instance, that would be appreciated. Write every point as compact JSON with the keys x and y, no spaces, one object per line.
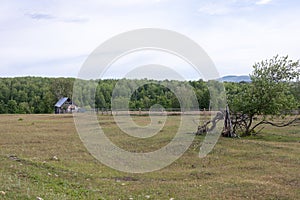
{"x":25,"y":95}
{"x":274,"y":91}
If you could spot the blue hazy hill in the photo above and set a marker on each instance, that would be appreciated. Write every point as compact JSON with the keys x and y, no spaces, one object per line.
{"x":236,"y":79}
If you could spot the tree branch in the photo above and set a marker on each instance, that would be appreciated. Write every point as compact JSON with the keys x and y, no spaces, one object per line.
{"x":281,"y":125}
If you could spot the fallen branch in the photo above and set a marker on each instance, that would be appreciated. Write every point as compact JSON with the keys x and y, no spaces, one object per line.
{"x":205,"y":128}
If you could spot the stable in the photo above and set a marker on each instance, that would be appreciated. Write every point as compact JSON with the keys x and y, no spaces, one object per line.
{"x":65,"y":105}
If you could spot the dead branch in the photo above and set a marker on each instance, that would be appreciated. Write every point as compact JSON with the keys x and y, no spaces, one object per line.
{"x":205,"y":128}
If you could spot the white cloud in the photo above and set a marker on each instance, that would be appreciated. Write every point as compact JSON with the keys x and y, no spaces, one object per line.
{"x":211,"y":8}
{"x":46,"y":16}
{"x":235,"y":44}
{"x":45,"y":37}
{"x":263,"y":2}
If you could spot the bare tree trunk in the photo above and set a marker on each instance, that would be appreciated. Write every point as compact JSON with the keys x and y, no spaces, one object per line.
{"x":228,"y":129}
{"x":248,"y":130}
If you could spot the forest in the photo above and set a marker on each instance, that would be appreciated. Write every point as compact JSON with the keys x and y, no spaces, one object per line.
{"x":34,"y":95}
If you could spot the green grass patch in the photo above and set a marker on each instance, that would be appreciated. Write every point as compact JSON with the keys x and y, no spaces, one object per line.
{"x":42,"y":156}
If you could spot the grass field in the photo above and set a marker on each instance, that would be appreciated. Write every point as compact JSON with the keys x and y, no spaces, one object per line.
{"x":42,"y":156}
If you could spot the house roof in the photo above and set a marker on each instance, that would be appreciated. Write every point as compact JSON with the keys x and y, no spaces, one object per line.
{"x":61,"y":101}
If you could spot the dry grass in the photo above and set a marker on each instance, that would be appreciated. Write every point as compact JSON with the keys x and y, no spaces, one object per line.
{"x":264,"y":167}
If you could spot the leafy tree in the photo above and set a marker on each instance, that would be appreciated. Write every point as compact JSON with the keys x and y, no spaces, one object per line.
{"x":217,"y":91}
{"x":268,"y":95}
{"x":12,"y":107}
{"x":62,"y":87}
{"x":24,"y":108}
{"x":3,"y":107}
{"x":295,"y":88}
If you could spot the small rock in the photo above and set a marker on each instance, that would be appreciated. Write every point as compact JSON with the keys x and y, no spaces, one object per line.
{"x":39,"y":198}
{"x":49,"y":174}
{"x":14,"y":157}
{"x":55,"y":158}
{"x":2,"y":192}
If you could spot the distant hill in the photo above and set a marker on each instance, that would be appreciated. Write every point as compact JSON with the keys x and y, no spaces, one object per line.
{"x":236,"y":79}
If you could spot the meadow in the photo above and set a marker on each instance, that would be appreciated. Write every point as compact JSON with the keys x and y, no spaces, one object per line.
{"x":43,"y":156}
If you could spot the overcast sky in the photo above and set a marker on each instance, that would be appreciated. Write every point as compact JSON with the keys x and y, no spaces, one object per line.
{"x":54,"y":37}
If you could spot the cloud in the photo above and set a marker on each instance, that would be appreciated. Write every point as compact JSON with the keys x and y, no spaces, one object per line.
{"x":214,"y":9}
{"x":263,"y":2}
{"x":221,"y":7}
{"x":40,"y":16}
{"x":46,"y":16}
{"x":127,"y":2}
{"x":36,"y":37}
{"x":75,"y":20}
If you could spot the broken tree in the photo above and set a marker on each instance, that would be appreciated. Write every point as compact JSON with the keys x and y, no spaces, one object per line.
{"x":211,"y":124}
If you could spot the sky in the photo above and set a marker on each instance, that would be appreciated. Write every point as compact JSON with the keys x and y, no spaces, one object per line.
{"x":54,"y":38}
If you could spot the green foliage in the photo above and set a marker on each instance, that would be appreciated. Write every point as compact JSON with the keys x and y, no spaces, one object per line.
{"x":295,"y":90}
{"x":27,"y":95}
{"x":38,"y":95}
{"x":271,"y":86}
{"x":269,"y":93}
{"x":12,"y":107}
{"x":274,"y":89}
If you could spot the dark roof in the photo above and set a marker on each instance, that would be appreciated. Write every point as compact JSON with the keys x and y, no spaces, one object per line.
{"x":62,"y":101}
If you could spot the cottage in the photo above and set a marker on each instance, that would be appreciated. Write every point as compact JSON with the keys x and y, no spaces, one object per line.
{"x":65,"y":105}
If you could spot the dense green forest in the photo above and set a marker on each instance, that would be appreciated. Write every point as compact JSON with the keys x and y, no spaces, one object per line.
{"x":38,"y":95}
{"x":32,"y":94}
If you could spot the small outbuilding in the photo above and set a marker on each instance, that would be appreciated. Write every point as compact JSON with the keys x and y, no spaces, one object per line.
{"x":65,"y":105}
